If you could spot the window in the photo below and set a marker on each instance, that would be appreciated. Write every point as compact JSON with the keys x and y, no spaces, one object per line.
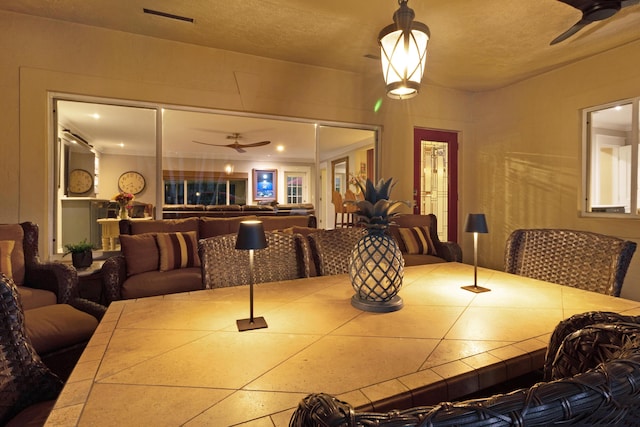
{"x":611,"y":159}
{"x":205,"y":191}
{"x":294,"y":182}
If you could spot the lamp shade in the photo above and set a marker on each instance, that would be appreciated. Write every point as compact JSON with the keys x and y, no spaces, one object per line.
{"x":476,"y":223}
{"x":251,"y":235}
{"x":403,"y":51}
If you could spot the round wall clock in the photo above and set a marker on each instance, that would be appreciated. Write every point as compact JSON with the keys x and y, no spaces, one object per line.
{"x":80,"y":181}
{"x":131,"y":182}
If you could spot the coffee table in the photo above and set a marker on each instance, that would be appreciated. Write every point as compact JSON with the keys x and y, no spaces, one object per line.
{"x":179,"y":359}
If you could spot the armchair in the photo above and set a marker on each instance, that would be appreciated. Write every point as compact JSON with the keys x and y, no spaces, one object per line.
{"x":58,"y":322}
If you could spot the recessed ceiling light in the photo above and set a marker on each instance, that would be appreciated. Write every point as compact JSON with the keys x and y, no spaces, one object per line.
{"x":280,"y":148}
{"x":95,"y":116}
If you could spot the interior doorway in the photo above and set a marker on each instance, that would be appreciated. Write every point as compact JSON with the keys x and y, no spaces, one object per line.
{"x":436,"y":179}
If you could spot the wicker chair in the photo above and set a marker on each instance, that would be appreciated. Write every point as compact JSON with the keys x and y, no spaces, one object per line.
{"x":27,"y":388}
{"x":601,"y":391}
{"x":331,"y":249}
{"x":581,"y":259}
{"x":285,"y":258}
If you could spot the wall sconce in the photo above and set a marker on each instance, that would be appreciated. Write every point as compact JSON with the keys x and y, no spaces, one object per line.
{"x":403,"y":50}
{"x":250,"y":237}
{"x":476,"y":223}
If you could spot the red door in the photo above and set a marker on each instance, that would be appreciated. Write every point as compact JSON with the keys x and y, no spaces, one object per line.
{"x":435,"y":178}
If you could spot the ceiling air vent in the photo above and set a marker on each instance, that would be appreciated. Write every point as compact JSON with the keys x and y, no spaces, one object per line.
{"x":167,"y":15}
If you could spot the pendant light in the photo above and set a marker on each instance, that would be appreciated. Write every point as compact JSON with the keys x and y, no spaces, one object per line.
{"x":403,"y":49}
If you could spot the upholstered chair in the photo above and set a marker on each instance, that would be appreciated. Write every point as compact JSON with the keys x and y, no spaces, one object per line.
{"x":58,"y":322}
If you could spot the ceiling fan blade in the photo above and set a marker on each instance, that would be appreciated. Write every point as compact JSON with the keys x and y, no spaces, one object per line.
{"x":206,"y":143}
{"x":256,"y":144}
{"x":571,"y":31}
{"x":238,"y":149}
{"x":578,"y":4}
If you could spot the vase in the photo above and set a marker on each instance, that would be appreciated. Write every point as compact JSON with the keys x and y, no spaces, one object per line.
{"x":82,"y":259}
{"x":124,"y":213}
{"x":376,"y":270}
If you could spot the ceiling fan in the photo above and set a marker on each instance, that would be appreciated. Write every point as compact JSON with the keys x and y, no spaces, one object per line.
{"x":240,"y":148}
{"x":592,"y":11}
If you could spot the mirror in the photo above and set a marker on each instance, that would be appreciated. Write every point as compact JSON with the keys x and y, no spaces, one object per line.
{"x":340,"y":175}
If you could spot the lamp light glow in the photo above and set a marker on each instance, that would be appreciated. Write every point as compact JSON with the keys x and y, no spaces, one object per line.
{"x":403,"y":52}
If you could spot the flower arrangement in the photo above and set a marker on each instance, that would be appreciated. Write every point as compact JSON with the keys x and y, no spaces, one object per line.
{"x":123,"y":198}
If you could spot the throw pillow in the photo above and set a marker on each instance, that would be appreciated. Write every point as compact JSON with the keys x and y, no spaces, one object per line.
{"x":178,"y":250}
{"x":6,"y":248}
{"x":140,"y":253}
{"x":417,"y":240}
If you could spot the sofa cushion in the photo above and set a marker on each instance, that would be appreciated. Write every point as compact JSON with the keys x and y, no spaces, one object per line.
{"x":417,"y":240}
{"x":15,"y":233}
{"x":57,"y":326}
{"x":154,"y":283}
{"x":34,"y":297}
{"x":164,"y":225}
{"x":178,"y":250}
{"x":140,"y":252}
{"x":272,"y":223}
{"x":210,"y":227}
{"x":6,"y":249}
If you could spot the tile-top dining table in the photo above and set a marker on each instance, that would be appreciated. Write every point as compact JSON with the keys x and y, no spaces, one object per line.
{"x":179,"y":359}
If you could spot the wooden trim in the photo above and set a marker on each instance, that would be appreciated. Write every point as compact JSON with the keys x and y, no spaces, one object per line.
{"x":203,"y":175}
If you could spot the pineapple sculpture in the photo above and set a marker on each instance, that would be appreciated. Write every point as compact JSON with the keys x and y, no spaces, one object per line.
{"x":376,"y":265}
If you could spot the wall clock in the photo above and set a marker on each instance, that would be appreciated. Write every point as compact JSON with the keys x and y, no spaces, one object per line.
{"x":131,"y":182}
{"x":80,"y":181}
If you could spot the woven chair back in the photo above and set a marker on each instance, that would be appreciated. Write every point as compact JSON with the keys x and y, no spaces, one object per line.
{"x":24,"y":379}
{"x":284,"y":258}
{"x":331,"y":249}
{"x":581,"y":259}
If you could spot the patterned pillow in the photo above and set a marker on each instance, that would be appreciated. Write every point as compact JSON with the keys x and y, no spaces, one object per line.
{"x":178,"y":250}
{"x":417,"y":240}
{"x":6,"y":248}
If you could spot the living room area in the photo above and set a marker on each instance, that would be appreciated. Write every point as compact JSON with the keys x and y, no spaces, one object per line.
{"x":521,"y":112}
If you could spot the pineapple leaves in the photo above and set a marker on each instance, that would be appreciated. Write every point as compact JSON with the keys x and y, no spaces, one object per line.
{"x":376,"y":210}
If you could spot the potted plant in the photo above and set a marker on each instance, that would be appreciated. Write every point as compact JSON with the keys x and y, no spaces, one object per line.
{"x":81,"y":253}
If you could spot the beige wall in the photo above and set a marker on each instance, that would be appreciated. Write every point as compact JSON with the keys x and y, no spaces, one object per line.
{"x":524,"y":167}
{"x":519,"y":146}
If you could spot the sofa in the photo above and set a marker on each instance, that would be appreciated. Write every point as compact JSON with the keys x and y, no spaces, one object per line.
{"x":417,"y":237}
{"x":160,"y":257}
{"x":188,"y":211}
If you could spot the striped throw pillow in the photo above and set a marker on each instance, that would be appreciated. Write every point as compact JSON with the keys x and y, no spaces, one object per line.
{"x":178,"y":250}
{"x":417,"y":240}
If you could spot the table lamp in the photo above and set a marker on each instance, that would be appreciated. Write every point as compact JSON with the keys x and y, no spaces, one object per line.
{"x":476,"y":223}
{"x":251,"y":237}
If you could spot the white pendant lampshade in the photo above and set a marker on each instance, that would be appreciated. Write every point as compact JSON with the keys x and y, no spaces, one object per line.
{"x":403,"y":49}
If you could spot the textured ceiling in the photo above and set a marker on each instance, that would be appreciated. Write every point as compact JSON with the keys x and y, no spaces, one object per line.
{"x":475,"y":45}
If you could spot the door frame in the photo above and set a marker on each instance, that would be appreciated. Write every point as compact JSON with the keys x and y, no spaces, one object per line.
{"x":451,"y":139}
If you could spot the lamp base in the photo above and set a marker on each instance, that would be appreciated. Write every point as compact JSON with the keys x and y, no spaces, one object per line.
{"x":249,"y":324}
{"x":475,"y":289}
